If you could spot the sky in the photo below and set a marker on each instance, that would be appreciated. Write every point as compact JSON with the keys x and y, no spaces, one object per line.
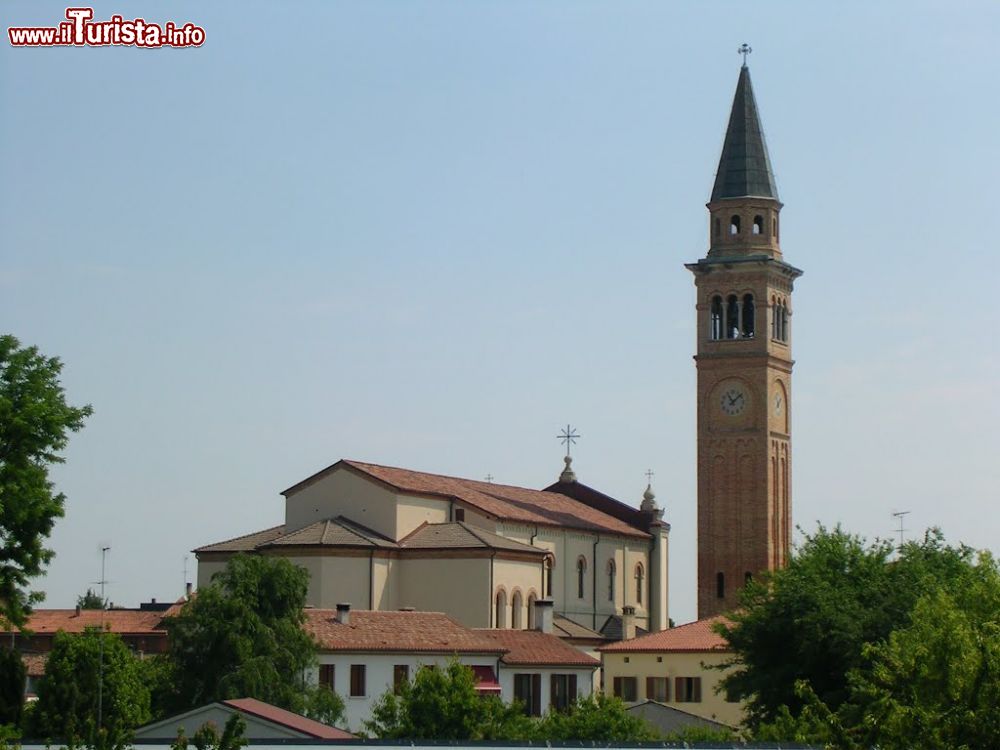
{"x":431,"y":234}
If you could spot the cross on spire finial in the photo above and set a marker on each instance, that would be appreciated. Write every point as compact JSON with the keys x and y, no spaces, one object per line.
{"x":489,"y":477}
{"x":568,"y":437}
{"x":745,"y":49}
{"x":649,"y":475}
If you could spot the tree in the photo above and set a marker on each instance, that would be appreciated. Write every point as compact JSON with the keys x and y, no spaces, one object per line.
{"x":12,"y":680}
{"x":35,"y":422}
{"x":90,"y":600}
{"x":75,"y":683}
{"x":242,"y":636}
{"x":207,"y":736}
{"x":442,"y":704}
{"x":598,"y":718}
{"x":809,"y":622}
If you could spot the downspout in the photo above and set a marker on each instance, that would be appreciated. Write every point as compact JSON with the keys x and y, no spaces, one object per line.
{"x":597,"y":540}
{"x":493,"y":608}
{"x":371,"y":580}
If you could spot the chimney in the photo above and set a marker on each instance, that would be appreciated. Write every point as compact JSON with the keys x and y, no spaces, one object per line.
{"x":187,"y":590}
{"x":344,"y":614}
{"x":543,"y":615}
{"x":77,"y":610}
{"x":628,"y":622}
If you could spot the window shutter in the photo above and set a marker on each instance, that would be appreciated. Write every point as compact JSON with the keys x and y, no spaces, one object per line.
{"x":651,"y":688}
{"x":536,"y":695}
{"x":571,"y":696}
{"x":666,"y":690}
{"x":697,"y":690}
{"x":618,"y":687}
{"x":679,"y":689}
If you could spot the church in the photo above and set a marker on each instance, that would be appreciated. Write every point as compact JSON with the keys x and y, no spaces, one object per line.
{"x":385,"y":538}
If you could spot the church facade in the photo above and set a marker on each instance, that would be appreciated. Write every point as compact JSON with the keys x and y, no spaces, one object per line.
{"x":744,"y":363}
{"x":385,"y":538}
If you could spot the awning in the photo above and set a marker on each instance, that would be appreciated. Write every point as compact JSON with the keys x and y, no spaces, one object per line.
{"x":486,"y":681}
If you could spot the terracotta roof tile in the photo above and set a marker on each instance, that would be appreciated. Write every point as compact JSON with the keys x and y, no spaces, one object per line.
{"x":694,"y":636}
{"x":291,"y":720}
{"x":125,"y":621}
{"x":567,"y":628}
{"x":34,"y":664}
{"x":402,"y":632}
{"x":535,"y":648}
{"x":504,"y":502}
{"x":244,"y":543}
{"x":332,"y":532}
{"x":463,"y":536}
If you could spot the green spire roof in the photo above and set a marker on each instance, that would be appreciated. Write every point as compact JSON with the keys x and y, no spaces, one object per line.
{"x":744,"y":169}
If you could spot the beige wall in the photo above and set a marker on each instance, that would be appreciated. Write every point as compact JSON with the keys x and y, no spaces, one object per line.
{"x":343,"y":493}
{"x":412,"y":511}
{"x":333,"y":580}
{"x":712,"y":706}
{"x":457,"y":586}
{"x":207,"y":569}
{"x":387,"y":589}
{"x":517,"y":576}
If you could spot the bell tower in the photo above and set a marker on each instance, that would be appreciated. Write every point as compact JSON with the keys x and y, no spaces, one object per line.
{"x":744,"y":363}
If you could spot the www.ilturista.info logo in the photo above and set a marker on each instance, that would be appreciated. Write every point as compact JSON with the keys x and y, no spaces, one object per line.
{"x":80,"y":30}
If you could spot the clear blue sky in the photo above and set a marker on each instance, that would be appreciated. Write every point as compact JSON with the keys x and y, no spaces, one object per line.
{"x":430,"y":234}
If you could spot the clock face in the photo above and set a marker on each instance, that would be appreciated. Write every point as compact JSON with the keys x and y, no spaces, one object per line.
{"x":733,"y":400}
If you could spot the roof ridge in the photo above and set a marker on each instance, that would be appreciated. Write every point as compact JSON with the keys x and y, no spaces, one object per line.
{"x":402,"y":541}
{"x":244,"y":536}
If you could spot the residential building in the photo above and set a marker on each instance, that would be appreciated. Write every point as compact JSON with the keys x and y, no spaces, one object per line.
{"x":262,"y":720}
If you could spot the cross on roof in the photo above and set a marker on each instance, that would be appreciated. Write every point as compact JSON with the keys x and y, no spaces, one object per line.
{"x":489,"y":477}
{"x":745,"y":49}
{"x":568,"y":437}
{"x":649,"y":475}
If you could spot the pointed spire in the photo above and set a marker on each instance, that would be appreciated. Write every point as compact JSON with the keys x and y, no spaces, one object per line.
{"x":744,"y":169}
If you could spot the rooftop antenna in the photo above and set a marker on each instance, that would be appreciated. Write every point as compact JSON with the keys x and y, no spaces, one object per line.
{"x":100,"y":668}
{"x":745,"y":49}
{"x":184,"y":588}
{"x":899,"y":516}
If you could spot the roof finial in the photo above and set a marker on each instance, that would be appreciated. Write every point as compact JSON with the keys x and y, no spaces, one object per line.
{"x":745,"y":49}
{"x":648,"y":498}
{"x":568,"y":438}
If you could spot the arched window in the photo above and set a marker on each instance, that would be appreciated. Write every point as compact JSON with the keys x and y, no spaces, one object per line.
{"x":732,"y":317}
{"x":611,"y":580}
{"x":748,"y":316}
{"x":581,"y":569}
{"x":501,"y":610}
{"x":783,"y":322}
{"x":716,"y":318}
{"x":774,"y":317}
{"x":758,"y":225}
{"x":531,"y":610}
{"x":550,"y":564}
{"x":734,"y":225}
{"x":517,"y":611}
{"x":640,"y":576}
{"x":720,"y":585}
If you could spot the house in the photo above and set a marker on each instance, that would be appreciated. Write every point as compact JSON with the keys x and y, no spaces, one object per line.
{"x":387,"y":538}
{"x":673,"y":667}
{"x":365,"y":653}
{"x":263,"y":722}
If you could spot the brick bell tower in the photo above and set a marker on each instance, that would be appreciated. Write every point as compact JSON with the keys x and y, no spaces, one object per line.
{"x":744,"y":363}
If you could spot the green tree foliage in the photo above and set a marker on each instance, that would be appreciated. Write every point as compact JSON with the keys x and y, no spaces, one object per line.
{"x":242,"y":637}
{"x":91,"y":600}
{"x":810,"y":621}
{"x":442,"y":704}
{"x":12,"y":681}
{"x":68,"y":692}
{"x":599,"y":718}
{"x":35,"y":422}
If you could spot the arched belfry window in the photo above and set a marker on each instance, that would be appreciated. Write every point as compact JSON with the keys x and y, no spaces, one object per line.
{"x":581,"y":569}
{"x":716,"y":318}
{"x":758,"y":225}
{"x":732,"y":317}
{"x":550,"y":565}
{"x":720,"y":585}
{"x":531,"y":610}
{"x":640,"y":577}
{"x":501,"y":610}
{"x":748,"y":316}
{"x":774,"y":317}
{"x":611,"y":580}
{"x":734,"y":225}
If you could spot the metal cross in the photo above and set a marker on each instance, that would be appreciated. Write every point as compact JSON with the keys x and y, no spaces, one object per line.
{"x":745,"y":50}
{"x":489,"y":477}
{"x":568,"y":437}
{"x":649,"y":475}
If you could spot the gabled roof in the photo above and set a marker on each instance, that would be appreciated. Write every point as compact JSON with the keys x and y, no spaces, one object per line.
{"x":503,"y":502}
{"x":288,"y":719}
{"x":463,"y":536}
{"x":332,"y":532}
{"x":245,"y":543}
{"x":396,"y":632}
{"x":533,"y":648}
{"x":744,"y":167}
{"x":693,"y":637}
{"x":614,"y":629}
{"x":564,"y":627}
{"x":121,"y":621}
